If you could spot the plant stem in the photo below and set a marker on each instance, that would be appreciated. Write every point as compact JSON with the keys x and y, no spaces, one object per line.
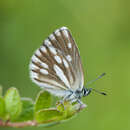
{"x":17,"y":124}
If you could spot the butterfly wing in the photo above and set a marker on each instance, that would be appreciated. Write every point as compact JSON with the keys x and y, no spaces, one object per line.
{"x":56,"y":65}
{"x":67,"y":45}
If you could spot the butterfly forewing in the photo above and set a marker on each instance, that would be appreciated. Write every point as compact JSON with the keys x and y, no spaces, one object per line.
{"x":56,"y":65}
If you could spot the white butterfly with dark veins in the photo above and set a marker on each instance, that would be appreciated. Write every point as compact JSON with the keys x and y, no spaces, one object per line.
{"x":56,"y":66}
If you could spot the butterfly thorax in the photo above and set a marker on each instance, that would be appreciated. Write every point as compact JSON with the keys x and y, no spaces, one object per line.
{"x":76,"y":95}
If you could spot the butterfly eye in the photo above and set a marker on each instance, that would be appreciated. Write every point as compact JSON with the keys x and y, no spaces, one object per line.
{"x":86,"y":91}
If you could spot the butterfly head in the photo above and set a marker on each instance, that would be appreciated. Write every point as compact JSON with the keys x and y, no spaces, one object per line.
{"x":86,"y":91}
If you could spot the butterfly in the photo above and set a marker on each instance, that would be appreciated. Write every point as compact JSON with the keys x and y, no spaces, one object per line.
{"x":56,"y":67}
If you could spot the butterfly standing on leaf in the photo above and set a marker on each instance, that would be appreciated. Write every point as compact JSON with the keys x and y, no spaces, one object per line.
{"x":56,"y":66}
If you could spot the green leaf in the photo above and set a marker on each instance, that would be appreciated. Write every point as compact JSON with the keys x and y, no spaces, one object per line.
{"x":48,"y":115}
{"x":13,"y":103}
{"x":27,"y":110}
{"x":43,"y":101}
{"x":68,"y":109}
{"x":2,"y":108}
{"x":60,"y":107}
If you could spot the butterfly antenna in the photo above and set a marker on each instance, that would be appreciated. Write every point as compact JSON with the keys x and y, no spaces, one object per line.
{"x":99,"y":77}
{"x":99,"y":92}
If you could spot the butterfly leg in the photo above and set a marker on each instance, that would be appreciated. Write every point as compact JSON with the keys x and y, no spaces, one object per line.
{"x":79,"y":101}
{"x":66,"y":98}
{"x":82,"y":105}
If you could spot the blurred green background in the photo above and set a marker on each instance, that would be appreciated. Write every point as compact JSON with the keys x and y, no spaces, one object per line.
{"x":102,"y":31}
